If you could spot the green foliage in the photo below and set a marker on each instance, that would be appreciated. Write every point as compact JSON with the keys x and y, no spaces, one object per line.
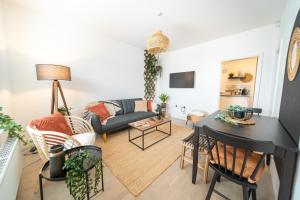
{"x":223,"y":116}
{"x":163,"y":97}
{"x":13,"y":129}
{"x":63,"y":110}
{"x":236,"y":108}
{"x":152,"y":70}
{"x":76,"y":178}
{"x":230,"y":75}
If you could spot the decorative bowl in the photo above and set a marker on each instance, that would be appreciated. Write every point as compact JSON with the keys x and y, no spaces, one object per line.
{"x":240,"y":113}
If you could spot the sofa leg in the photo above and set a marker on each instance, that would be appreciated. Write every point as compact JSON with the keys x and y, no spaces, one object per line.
{"x":104,"y":137}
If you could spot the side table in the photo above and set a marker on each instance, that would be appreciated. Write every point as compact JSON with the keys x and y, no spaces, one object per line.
{"x":45,"y":171}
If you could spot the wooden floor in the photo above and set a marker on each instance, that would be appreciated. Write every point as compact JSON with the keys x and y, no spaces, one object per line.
{"x":173,"y":184}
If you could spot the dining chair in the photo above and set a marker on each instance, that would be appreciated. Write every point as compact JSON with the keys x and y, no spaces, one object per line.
{"x":188,"y":146}
{"x":257,"y":111}
{"x":237,"y":159}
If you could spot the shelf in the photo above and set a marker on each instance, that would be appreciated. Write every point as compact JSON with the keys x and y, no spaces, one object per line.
{"x":237,"y":77}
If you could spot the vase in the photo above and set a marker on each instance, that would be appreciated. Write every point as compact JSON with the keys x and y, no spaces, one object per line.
{"x":56,"y":160}
{"x":164,"y":109}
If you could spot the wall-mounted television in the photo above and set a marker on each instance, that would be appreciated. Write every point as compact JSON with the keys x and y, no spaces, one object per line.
{"x":182,"y":80}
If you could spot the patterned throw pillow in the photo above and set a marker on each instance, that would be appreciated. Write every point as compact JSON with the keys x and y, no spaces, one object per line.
{"x":55,"y":122}
{"x":112,"y":107}
{"x":100,"y":110}
{"x":140,"y":105}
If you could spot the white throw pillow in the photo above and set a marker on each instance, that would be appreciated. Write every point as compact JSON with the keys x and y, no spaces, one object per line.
{"x":85,"y":138}
{"x":153,"y":106}
{"x":110,"y":108}
{"x":140,"y":106}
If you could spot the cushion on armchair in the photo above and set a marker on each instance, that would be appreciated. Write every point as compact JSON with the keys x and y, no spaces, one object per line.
{"x":55,"y":122}
{"x":85,"y":138}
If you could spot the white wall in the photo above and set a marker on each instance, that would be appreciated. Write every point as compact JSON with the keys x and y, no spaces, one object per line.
{"x":206,"y":60}
{"x":286,"y":27}
{"x":5,"y":82}
{"x":101,"y":68}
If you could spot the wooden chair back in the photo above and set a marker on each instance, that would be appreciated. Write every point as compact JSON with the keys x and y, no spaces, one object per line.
{"x":257,"y":111}
{"x":238,"y":144}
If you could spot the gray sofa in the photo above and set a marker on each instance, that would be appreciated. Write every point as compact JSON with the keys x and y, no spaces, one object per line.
{"x":123,"y":117}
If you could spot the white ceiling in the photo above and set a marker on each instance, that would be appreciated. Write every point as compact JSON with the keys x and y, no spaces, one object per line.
{"x":186,"y":22}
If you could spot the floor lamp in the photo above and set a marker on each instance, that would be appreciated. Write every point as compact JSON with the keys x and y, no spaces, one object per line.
{"x":54,"y":73}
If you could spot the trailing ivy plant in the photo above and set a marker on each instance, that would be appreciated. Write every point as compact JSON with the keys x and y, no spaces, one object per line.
{"x":76,"y":177}
{"x":13,"y":130}
{"x":152,"y":70}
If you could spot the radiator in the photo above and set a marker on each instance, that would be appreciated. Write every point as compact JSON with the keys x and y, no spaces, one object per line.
{"x":10,"y":168}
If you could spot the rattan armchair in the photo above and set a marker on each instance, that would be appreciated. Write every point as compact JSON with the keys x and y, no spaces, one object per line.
{"x":83,"y":134}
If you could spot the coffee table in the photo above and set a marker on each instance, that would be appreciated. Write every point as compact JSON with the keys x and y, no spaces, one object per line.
{"x":147,"y":126}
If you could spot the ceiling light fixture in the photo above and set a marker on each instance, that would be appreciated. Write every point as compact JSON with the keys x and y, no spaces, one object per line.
{"x":158,"y":42}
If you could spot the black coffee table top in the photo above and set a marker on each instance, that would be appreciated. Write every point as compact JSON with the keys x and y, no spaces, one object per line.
{"x":265,"y":129}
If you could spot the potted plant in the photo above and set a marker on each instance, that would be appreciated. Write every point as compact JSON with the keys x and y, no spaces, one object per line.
{"x":77,"y":179}
{"x":63,"y":110}
{"x":152,"y":70}
{"x":9,"y":126}
{"x":231,"y":75}
{"x":163,"y":98}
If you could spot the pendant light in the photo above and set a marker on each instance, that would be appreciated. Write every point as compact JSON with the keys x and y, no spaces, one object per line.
{"x":158,"y":42}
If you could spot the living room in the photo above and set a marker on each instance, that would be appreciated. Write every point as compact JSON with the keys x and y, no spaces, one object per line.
{"x":100,"y":47}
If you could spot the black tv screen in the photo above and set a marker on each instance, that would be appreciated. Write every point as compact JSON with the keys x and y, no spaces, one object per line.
{"x":182,"y":80}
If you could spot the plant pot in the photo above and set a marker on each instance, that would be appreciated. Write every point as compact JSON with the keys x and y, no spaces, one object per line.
{"x":56,"y":160}
{"x":163,"y":109}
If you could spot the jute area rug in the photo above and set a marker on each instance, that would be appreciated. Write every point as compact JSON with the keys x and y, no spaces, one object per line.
{"x":137,"y":169}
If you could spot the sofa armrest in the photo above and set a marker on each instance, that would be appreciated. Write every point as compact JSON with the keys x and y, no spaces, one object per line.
{"x":96,"y":124}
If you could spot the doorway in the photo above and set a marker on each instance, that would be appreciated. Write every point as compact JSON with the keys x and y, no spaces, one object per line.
{"x":238,"y":78}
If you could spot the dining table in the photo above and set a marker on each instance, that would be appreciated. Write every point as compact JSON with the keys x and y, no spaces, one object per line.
{"x":267,"y":129}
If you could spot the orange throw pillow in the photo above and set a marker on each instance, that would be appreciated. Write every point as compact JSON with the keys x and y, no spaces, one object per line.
{"x":55,"y":122}
{"x":100,"y":110}
{"x":149,"y":105}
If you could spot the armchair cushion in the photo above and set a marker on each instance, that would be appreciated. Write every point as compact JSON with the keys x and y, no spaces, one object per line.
{"x":85,"y":138}
{"x":55,"y":122}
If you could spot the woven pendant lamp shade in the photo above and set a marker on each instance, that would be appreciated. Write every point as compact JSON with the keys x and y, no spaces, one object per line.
{"x":158,"y":43}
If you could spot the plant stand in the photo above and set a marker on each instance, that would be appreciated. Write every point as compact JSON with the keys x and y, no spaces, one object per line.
{"x":45,"y":171}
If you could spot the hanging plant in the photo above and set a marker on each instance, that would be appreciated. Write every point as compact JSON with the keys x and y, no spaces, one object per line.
{"x":152,"y":70}
{"x":13,"y":130}
{"x":77,"y":178}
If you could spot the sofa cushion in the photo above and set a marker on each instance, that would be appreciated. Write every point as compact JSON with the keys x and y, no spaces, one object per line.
{"x":141,"y":115}
{"x":120,"y":111}
{"x":123,"y":120}
{"x":128,"y":105}
{"x":140,"y":105}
